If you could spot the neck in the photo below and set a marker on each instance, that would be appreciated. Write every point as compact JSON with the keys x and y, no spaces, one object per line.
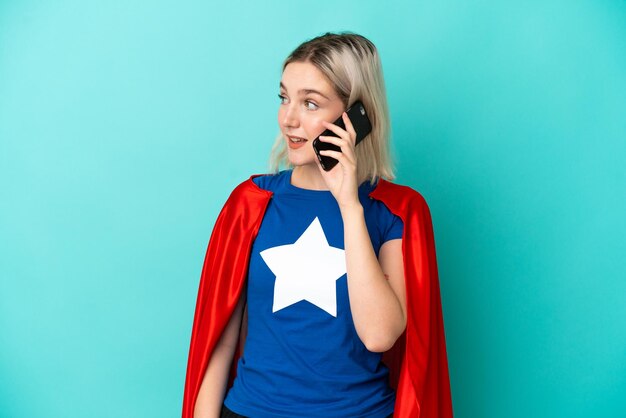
{"x":308,"y":177}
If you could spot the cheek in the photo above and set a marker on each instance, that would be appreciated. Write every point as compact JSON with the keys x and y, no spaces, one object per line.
{"x":315,"y":127}
{"x":280,"y":116}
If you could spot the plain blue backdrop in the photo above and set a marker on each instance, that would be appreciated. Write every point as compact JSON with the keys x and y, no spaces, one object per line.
{"x":124,"y":125}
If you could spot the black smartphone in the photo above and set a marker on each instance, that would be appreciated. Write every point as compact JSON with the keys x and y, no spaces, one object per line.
{"x":362,"y":127}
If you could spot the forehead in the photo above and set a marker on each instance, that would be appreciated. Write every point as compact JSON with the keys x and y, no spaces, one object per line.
{"x":305,"y":76}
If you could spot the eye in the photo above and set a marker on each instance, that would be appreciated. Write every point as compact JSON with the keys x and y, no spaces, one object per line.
{"x":310,"y":105}
{"x":282,"y":98}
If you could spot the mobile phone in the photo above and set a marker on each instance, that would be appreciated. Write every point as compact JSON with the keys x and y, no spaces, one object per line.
{"x":362,"y":127}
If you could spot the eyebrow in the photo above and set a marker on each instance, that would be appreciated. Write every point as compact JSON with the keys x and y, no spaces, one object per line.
{"x":306,"y":91}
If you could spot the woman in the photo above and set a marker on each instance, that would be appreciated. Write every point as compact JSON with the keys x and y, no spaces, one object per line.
{"x":318,"y":271}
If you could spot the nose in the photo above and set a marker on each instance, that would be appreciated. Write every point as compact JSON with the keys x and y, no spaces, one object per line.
{"x":289,"y":117}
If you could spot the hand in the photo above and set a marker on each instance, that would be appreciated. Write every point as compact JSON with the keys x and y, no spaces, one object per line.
{"x":342,"y":179}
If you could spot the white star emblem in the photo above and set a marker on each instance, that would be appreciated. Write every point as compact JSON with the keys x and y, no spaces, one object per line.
{"x":306,"y":270}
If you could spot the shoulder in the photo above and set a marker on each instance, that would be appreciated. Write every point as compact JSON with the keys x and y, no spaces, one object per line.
{"x":410,"y":206}
{"x":270,"y":182}
{"x":248,"y":190}
{"x":397,"y":196}
{"x":258,"y":186}
{"x":245,"y":204}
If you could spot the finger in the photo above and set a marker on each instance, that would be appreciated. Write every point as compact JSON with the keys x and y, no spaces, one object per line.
{"x":345,"y":146}
{"x":339,"y":156}
{"x":319,"y":164}
{"x":342,"y":133}
{"x":334,"y":154}
{"x":349,"y":127}
{"x":333,"y":140}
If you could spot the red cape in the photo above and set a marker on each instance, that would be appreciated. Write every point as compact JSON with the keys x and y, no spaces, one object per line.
{"x":417,"y":362}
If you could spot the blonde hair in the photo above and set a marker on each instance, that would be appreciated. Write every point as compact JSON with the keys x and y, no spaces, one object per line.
{"x":351,"y":64}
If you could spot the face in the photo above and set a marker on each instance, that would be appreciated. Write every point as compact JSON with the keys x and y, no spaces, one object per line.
{"x":307,"y":99}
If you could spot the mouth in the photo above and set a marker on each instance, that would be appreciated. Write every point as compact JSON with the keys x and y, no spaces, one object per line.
{"x":296,"y":142}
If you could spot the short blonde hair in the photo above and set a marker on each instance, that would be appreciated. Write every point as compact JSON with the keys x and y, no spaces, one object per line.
{"x":351,"y":64}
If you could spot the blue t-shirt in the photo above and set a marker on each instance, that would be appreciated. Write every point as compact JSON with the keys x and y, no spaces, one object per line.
{"x":303,"y":357}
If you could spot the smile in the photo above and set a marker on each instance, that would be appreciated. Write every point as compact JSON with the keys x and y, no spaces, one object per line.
{"x":296,"y":142}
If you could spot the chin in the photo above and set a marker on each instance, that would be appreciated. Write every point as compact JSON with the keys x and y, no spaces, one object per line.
{"x":296,"y":158}
{"x":298,"y":161}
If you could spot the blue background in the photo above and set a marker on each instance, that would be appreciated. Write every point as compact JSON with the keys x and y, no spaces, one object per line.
{"x":125,"y":124}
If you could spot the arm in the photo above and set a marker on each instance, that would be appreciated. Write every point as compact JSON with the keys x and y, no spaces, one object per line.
{"x":378,"y":305}
{"x":375,"y":286}
{"x":213,"y":387}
